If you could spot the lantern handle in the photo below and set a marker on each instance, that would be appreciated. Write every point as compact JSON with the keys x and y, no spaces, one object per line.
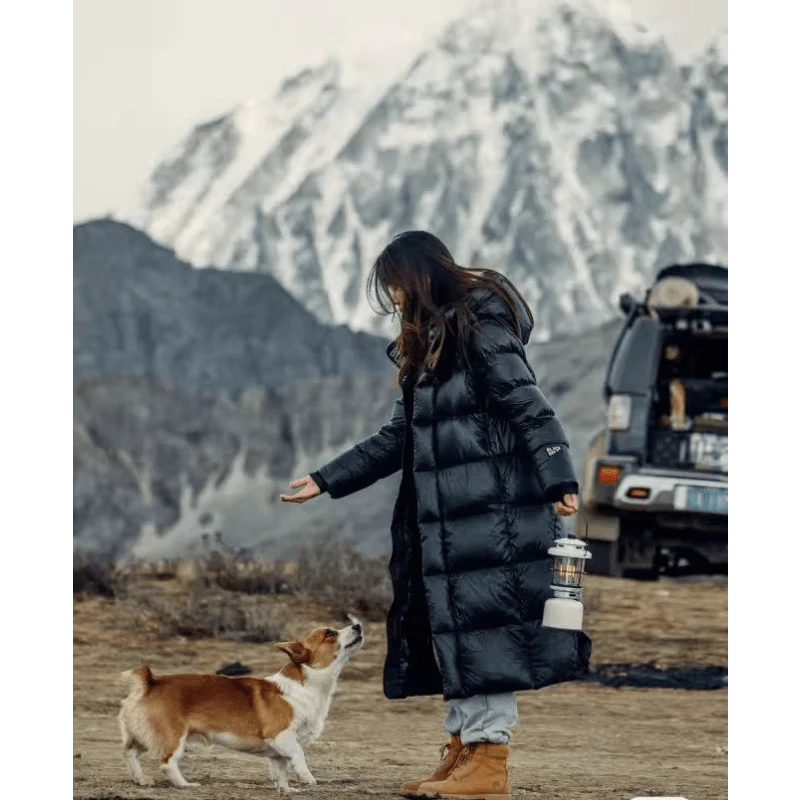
{"x":585,"y":521}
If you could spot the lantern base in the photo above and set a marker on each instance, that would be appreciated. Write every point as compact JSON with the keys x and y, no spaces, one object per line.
{"x":560,"y":612}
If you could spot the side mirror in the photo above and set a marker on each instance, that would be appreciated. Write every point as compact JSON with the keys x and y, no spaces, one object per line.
{"x":626,"y":303}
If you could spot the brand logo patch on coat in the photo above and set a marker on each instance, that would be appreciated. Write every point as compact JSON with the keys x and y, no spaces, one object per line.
{"x":551,"y":451}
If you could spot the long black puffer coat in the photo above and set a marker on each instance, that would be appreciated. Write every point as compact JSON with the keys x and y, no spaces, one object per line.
{"x":483,"y":459}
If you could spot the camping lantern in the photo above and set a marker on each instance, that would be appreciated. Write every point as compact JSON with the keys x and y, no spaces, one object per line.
{"x":565,"y":610}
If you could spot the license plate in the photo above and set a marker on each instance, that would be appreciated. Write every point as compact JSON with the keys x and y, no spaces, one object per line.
{"x":709,"y":451}
{"x":712,"y":500}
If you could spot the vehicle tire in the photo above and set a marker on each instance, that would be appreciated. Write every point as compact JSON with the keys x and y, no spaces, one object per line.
{"x":605,"y":558}
{"x":632,"y":534}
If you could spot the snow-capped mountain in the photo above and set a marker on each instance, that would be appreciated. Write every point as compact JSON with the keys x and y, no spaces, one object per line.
{"x":555,"y":140}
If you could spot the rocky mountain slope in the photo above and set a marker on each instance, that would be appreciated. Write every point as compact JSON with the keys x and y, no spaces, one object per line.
{"x":158,"y":468}
{"x":140,"y":312}
{"x":183,"y":376}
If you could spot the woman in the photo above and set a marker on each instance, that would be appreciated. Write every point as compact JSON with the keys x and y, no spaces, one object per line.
{"x":485,"y":472}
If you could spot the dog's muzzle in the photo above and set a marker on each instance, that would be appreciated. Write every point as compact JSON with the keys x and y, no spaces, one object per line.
{"x":358,"y":636}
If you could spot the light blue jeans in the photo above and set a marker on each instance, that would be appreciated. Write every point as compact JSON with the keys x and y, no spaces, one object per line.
{"x":483,"y":718}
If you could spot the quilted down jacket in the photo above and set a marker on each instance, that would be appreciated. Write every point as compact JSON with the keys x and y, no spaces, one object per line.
{"x":483,"y":459}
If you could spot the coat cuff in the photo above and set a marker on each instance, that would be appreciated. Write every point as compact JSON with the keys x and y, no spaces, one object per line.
{"x":557,"y":491}
{"x":320,"y":481}
{"x":555,"y":471}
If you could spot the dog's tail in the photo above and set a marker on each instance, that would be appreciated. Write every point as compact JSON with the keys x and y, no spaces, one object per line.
{"x":140,"y":679}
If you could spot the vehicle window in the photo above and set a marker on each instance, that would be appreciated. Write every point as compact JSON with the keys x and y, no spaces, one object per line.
{"x":700,"y":365}
{"x":699,"y":358}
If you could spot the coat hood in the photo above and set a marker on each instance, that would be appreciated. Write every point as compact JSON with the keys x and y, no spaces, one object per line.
{"x":489,"y":305}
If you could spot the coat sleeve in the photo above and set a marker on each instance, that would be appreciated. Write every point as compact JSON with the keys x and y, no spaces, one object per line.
{"x":510,"y":389}
{"x":376,"y":457}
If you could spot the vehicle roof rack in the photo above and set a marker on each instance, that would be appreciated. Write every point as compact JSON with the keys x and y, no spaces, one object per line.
{"x":693,"y":271}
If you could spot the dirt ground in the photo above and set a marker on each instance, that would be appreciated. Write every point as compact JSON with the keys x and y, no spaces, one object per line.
{"x":576,"y":741}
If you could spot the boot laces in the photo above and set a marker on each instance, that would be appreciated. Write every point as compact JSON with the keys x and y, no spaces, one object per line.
{"x":463,"y":756}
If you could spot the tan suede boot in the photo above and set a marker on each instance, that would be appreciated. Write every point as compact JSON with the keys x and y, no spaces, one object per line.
{"x":449,"y":754}
{"x":481,"y":773}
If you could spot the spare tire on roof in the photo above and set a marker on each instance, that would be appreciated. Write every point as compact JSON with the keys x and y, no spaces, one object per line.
{"x":673,"y":293}
{"x":710,"y":279}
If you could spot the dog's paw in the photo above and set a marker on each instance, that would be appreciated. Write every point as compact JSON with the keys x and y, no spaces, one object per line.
{"x":146,"y":781}
{"x":287,"y":790}
{"x":310,"y":780}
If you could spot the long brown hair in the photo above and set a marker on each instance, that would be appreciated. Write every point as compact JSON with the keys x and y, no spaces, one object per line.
{"x":437,"y":311}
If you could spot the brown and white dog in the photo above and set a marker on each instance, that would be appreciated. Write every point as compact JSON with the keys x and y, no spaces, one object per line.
{"x":271,"y":717}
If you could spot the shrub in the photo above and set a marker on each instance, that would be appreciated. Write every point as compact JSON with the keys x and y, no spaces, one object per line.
{"x":247,"y":576}
{"x":92,"y":576}
{"x":206,"y":612}
{"x":335,"y":575}
{"x":235,"y":570}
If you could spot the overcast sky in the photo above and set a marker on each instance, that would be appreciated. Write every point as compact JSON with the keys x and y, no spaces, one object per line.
{"x":146,"y":71}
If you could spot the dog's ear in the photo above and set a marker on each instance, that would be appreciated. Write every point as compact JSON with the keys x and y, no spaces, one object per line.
{"x":297,"y":651}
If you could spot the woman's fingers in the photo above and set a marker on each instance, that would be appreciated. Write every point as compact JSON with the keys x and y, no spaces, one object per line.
{"x":568,"y":505}
{"x":299,"y":497}
{"x":292,"y":498}
{"x":564,"y":510}
{"x":309,"y":489}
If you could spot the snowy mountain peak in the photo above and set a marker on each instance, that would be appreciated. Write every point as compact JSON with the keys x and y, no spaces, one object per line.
{"x":327,"y":72}
{"x":557,"y":141}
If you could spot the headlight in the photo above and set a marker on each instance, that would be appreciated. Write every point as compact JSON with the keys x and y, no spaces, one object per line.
{"x":619,"y":412}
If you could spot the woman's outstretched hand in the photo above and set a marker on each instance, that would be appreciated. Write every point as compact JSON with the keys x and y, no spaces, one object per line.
{"x":309,"y":489}
{"x":567,"y":505}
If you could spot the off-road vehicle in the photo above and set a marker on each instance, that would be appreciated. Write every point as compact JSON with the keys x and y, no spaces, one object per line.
{"x":655,"y":485}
